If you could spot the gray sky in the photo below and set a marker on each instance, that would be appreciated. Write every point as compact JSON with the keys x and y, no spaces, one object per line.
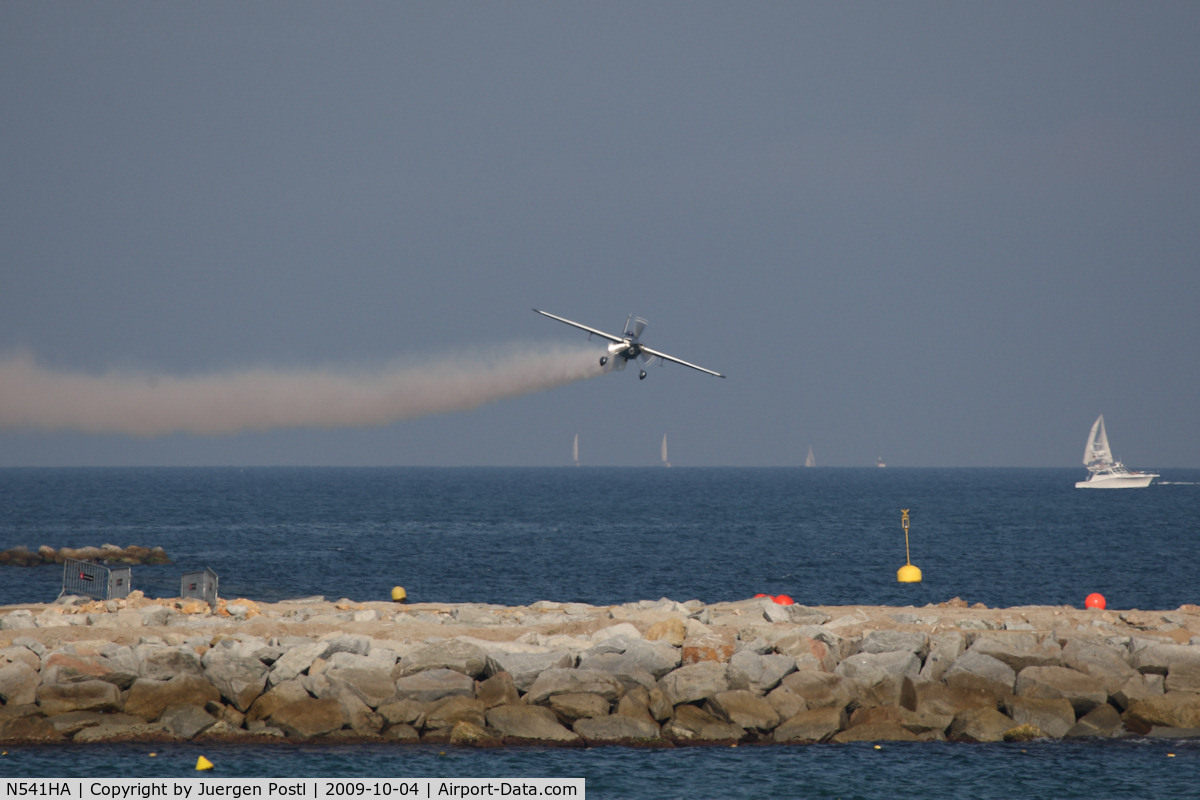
{"x":947,"y":233}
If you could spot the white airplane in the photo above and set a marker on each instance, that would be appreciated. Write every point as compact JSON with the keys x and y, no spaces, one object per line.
{"x":629,"y":347}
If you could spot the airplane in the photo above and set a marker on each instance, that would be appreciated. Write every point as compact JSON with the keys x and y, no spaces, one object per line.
{"x":629,"y":347}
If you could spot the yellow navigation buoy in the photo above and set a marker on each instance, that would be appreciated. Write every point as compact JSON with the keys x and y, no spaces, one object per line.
{"x":908,"y":573}
{"x":203,"y":763}
{"x":398,"y":594}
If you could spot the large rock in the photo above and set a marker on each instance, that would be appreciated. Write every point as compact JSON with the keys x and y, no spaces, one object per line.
{"x":497,"y":690}
{"x":275,"y":698}
{"x":712,"y":644}
{"x":1101,"y":661}
{"x":79,"y":662}
{"x":821,"y":689}
{"x":240,"y":678}
{"x":563,"y":681}
{"x":880,"y":676}
{"x":373,"y":687}
{"x":814,"y":725}
{"x":432,"y":685}
{"x":944,"y":649}
{"x":309,"y":717}
{"x":693,"y":682}
{"x":465,"y":657}
{"x":980,"y":725}
{"x":535,"y":723}
{"x":875,"y":732}
{"x":18,"y":683}
{"x":932,"y":697}
{"x":1102,"y":721}
{"x":1054,"y":717}
{"x":93,"y":695}
{"x":744,"y":708}
{"x":445,"y":714}
{"x":147,"y":699}
{"x":1161,"y":658}
{"x":573,"y":706}
{"x":296,"y":660}
{"x":1171,"y":710}
{"x":692,"y":724}
{"x":809,"y":653}
{"x":616,"y":728}
{"x":525,"y":667}
{"x":975,"y":670}
{"x":159,"y":663}
{"x":656,"y":658}
{"x":1019,"y":649}
{"x":186,"y":721}
{"x":889,"y":641}
{"x":758,"y":673}
{"x":1083,"y":691}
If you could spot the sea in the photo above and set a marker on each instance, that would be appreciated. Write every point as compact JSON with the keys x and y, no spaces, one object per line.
{"x":514,"y":536}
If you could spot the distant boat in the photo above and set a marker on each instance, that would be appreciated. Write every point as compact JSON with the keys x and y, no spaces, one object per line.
{"x":575,"y":451}
{"x":810,"y":461}
{"x":879,"y":462}
{"x":1104,"y":471}
{"x":665,"y":463}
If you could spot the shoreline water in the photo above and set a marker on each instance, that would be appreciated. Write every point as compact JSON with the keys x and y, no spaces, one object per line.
{"x":652,"y":673}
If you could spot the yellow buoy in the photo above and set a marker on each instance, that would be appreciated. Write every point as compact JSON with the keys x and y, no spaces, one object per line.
{"x":908,"y":573}
{"x":398,"y":594}
{"x":203,"y":763}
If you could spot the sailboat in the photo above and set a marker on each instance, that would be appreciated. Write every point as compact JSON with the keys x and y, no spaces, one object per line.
{"x":1104,"y":471}
{"x":665,"y":463}
{"x":575,"y":451}
{"x":810,"y":461}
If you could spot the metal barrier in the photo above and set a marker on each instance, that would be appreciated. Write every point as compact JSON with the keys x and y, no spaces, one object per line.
{"x":96,"y":580}
{"x":201,"y":584}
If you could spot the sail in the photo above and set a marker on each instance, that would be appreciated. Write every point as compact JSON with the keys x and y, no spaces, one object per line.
{"x":810,"y":461}
{"x":664,"y":452}
{"x":575,"y":451}
{"x":1097,"y":455}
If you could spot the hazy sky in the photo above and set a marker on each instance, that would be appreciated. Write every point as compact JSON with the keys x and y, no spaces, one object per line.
{"x":284,"y":233}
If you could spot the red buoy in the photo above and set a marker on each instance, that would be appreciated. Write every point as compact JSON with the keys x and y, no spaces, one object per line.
{"x":784,"y":600}
{"x":1094,"y":600}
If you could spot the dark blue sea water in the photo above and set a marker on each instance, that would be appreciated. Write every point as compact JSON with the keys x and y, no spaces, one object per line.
{"x":1002,"y":537}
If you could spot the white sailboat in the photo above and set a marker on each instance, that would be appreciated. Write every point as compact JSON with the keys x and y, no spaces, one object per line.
{"x":575,"y":451}
{"x":1104,"y":471}
{"x":810,"y":461}
{"x":665,"y":463}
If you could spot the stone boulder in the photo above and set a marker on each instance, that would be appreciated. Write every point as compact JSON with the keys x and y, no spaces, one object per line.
{"x":875,"y":732}
{"x":1083,"y":691}
{"x":534,"y":723}
{"x":616,"y":728}
{"x":186,"y":721}
{"x":1054,"y":717}
{"x":240,"y":678}
{"x":148,"y":699}
{"x":1019,"y":649}
{"x":90,"y":695}
{"x":432,"y":685}
{"x":744,"y":708}
{"x":976,"y":670}
{"x":159,"y":663}
{"x":1102,"y":721}
{"x":693,"y":682}
{"x":278,"y":696}
{"x":880,"y":676}
{"x":758,"y":673}
{"x":525,"y":667}
{"x":296,"y":660}
{"x":980,"y":725}
{"x":1171,"y":710}
{"x":563,"y":681}
{"x":814,"y":725}
{"x":693,"y":724}
{"x":573,"y":706}
{"x":821,"y":689}
{"x":18,"y":683}
{"x":309,"y":717}
{"x":465,"y":657}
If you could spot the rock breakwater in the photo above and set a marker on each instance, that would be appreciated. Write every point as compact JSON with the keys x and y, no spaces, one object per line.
{"x":22,"y":556}
{"x":654,"y":673}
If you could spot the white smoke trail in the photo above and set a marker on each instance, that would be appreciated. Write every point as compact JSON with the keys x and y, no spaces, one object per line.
{"x":36,"y":398}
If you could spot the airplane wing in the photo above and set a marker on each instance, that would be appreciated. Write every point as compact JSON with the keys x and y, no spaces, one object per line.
{"x":608,"y":336}
{"x":666,"y":357}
